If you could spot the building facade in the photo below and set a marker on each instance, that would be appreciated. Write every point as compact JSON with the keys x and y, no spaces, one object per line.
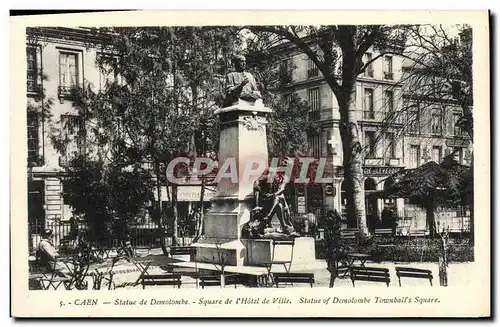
{"x":59,"y":59}
{"x":393,"y":136}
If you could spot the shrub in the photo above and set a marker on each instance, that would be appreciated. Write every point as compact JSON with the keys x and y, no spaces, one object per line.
{"x":401,"y":249}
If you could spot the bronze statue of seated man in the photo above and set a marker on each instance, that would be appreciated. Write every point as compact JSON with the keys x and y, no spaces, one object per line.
{"x":269,"y":203}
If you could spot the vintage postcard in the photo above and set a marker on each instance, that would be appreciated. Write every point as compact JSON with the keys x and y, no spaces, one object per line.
{"x":250,"y":164}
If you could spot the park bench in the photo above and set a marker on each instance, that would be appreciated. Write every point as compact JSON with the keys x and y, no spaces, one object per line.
{"x":349,"y":233}
{"x":370,"y":274}
{"x":418,"y":233}
{"x":413,"y":273}
{"x":215,"y":280}
{"x":161,"y":279}
{"x":183,"y":250}
{"x":383,"y":232}
{"x":290,"y":278}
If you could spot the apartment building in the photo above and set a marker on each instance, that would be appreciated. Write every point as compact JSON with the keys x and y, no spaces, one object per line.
{"x":393,"y":136}
{"x":57,"y":60}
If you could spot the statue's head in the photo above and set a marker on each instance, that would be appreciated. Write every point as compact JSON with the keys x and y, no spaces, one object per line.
{"x":240,"y":62}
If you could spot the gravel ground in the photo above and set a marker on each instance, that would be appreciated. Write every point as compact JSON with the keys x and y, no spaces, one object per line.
{"x":126,"y":273}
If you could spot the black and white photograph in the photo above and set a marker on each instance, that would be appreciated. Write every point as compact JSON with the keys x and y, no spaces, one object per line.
{"x":334,"y":162}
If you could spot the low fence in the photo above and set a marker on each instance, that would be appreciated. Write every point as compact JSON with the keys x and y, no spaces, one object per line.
{"x":146,"y":235}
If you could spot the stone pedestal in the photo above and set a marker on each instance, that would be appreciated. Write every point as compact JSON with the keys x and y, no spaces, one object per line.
{"x":242,"y":142}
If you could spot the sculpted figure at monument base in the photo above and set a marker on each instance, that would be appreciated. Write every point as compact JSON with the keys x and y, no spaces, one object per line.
{"x":269,"y":201}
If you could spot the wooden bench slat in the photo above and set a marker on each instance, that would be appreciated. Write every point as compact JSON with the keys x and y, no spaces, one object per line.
{"x":162,"y":282}
{"x":413,"y":269}
{"x":294,"y":280}
{"x":182,"y":250}
{"x":408,"y":272}
{"x":163,"y":279}
{"x":164,"y":276}
{"x":383,"y":231}
{"x":307,"y":275}
{"x":372,"y":273}
{"x":413,"y":275}
{"x":296,"y":277}
{"x":370,"y":269}
{"x":373,"y":279}
{"x":284,"y":278}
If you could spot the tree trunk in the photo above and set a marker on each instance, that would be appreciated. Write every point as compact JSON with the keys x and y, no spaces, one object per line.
{"x":353,"y":169}
{"x":430,"y":216}
{"x":199,"y":221}
{"x":175,"y":227}
{"x":471,"y":205}
{"x":443,"y":259}
{"x":159,"y":218}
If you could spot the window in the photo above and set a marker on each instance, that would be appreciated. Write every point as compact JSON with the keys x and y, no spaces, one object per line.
{"x":370,"y":144}
{"x":107,"y":73}
{"x":389,"y":98}
{"x":457,"y":131}
{"x":368,"y":104}
{"x":314,"y":145}
{"x":437,"y":122}
{"x":36,"y":212}
{"x":329,"y":148}
{"x":32,"y":70}
{"x":391,"y":145}
{"x":284,"y":65}
{"x":33,"y":139}
{"x":414,"y":120}
{"x":287,"y":98}
{"x":73,"y":132}
{"x":312,"y":70}
{"x":68,"y":70}
{"x":388,"y":67}
{"x":437,"y":154}
{"x":315,"y":102}
{"x":458,"y":154}
{"x":369,"y":69}
{"x":285,"y":73}
{"x":414,"y":156}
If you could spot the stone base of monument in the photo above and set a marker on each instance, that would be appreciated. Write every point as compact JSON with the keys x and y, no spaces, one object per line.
{"x":231,"y":252}
{"x":260,"y":251}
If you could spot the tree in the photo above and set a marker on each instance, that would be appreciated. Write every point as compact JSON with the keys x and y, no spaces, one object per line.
{"x":162,"y":87}
{"x":440,"y":68}
{"x":439,"y":72}
{"x":289,"y":123}
{"x":429,"y":186}
{"x":106,"y":193}
{"x":337,"y":51}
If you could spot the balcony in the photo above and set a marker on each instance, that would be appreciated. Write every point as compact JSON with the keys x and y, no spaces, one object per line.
{"x":66,"y":92}
{"x":314,"y":115}
{"x":369,"y":72}
{"x":313,"y":72}
{"x":35,"y":160}
{"x":368,"y":114}
{"x":33,"y":88}
{"x":374,"y":161}
{"x":389,"y":117}
{"x":326,"y":114}
{"x":393,"y":161}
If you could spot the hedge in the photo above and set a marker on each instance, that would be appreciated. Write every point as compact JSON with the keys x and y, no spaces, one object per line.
{"x":399,"y":249}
